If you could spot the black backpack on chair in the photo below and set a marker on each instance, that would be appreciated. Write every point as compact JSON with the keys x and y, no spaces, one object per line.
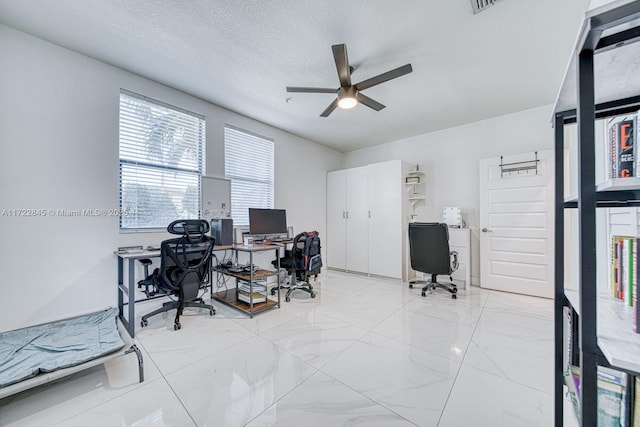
{"x":312,"y":261}
{"x":302,"y":262}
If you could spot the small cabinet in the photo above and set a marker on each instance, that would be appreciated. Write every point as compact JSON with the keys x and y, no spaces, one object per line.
{"x":460,"y":241}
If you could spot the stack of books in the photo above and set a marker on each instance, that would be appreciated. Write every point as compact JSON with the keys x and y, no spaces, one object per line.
{"x":624,"y":272}
{"x":256,"y":292}
{"x":612,"y":395}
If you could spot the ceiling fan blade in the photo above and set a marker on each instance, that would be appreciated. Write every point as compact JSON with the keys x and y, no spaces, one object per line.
{"x":381,"y":78}
{"x":311,"y":89}
{"x":330,"y":108}
{"x":371,"y":103}
{"x":342,"y":63}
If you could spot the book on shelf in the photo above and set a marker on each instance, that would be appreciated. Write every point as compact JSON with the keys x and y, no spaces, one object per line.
{"x":627,"y":280}
{"x":617,"y":265}
{"x":612,"y":395}
{"x":634,"y":286}
{"x":247,"y":297}
{"x":567,"y":333}
{"x":255,"y":287}
{"x":572,"y":381}
{"x":636,"y":404}
{"x":621,"y":146}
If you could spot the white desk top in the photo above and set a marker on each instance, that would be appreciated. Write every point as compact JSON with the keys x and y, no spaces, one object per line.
{"x":144,"y":253}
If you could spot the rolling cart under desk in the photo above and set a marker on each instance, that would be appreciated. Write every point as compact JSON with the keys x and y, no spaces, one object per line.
{"x":230,"y":296}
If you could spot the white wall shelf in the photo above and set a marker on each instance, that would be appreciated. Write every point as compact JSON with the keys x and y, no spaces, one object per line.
{"x":415,"y":189}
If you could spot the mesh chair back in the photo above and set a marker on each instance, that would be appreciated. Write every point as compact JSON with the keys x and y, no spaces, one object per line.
{"x":185,"y":261}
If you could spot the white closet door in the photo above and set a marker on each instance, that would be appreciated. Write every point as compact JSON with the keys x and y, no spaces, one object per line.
{"x":385,"y":223}
{"x":335,"y":246}
{"x":357,"y":220}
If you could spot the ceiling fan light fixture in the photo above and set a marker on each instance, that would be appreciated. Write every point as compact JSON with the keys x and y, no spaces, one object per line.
{"x":347,"y":97}
{"x":347,"y":102}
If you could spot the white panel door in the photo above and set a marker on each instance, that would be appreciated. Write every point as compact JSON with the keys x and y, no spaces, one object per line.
{"x":516,"y":226}
{"x":357,"y":220}
{"x":385,"y":222}
{"x":335,"y":246}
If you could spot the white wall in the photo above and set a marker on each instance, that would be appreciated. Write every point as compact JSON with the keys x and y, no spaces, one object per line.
{"x":59,"y":150}
{"x":450,"y":158}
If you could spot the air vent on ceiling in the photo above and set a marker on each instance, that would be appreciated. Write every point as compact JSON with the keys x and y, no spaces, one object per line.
{"x":480,"y":5}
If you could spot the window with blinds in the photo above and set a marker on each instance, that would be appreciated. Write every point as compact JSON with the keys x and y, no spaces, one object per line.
{"x":248,"y":163}
{"x":161,"y":162}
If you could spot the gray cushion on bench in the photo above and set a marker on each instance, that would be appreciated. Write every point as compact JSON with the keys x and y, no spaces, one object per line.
{"x":45,"y":348}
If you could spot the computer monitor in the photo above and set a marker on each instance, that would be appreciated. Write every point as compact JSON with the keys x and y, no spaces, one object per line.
{"x":267,"y":222}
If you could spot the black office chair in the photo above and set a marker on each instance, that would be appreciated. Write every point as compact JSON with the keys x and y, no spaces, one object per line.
{"x":430,"y":254}
{"x":185,"y":264}
{"x":302,"y":262}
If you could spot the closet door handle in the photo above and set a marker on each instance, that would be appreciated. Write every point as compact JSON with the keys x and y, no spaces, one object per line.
{"x":369,"y":214}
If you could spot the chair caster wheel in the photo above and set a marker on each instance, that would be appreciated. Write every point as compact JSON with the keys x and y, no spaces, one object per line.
{"x":143,"y":323}
{"x":287,"y":299}
{"x":454,"y":296}
{"x":273,"y":291}
{"x":177,"y":326}
{"x":313,"y":294}
{"x":424,"y":294}
{"x":212,"y":312}
{"x":410,"y":286}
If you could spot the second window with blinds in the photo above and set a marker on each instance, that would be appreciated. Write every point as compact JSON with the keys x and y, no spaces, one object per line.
{"x":248,"y":163}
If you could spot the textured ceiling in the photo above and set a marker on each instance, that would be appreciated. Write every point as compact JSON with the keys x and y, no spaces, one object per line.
{"x":242,"y":54}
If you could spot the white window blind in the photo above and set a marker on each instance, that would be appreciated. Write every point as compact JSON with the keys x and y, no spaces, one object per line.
{"x":248,"y":163}
{"x":161,"y":162}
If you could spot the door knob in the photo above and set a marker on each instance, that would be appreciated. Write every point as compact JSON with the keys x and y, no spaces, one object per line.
{"x":486,"y":230}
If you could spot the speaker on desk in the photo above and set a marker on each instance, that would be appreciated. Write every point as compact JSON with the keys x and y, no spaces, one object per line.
{"x":222,"y":230}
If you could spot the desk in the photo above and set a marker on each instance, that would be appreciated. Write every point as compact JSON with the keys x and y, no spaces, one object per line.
{"x":126,"y":291}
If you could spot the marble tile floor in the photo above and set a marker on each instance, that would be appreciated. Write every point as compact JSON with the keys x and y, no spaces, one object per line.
{"x":366,"y":351}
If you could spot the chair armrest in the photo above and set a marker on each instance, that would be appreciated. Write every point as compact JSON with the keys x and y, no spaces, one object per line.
{"x":454,"y":260}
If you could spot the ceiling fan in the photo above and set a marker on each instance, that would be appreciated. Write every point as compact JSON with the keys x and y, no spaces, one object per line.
{"x":349,"y":95}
